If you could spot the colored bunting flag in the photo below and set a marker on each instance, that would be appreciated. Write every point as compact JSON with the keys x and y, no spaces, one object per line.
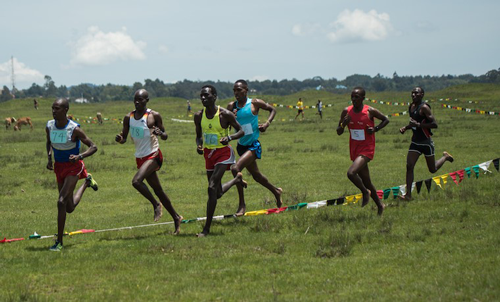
{"x":419,"y":186}
{"x":386,"y":193}
{"x":428,"y":183}
{"x":395,"y":191}
{"x":467,"y":170}
{"x":437,"y":180}
{"x":453,"y":176}
{"x":485,"y":166}
{"x":476,"y":170}
{"x":496,"y":163}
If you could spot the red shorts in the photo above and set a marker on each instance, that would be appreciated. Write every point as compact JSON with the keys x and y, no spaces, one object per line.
{"x":157,"y":156}
{"x":64,"y":170}
{"x":220,"y":156}
{"x":362,"y":149}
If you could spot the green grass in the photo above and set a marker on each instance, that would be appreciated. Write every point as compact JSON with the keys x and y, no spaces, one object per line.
{"x":441,"y":246}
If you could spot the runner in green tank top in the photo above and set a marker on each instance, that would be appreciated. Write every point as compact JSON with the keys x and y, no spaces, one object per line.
{"x":212,"y":140}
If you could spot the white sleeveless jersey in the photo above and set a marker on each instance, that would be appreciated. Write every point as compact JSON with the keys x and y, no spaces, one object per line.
{"x":60,"y":139}
{"x":144,"y":139}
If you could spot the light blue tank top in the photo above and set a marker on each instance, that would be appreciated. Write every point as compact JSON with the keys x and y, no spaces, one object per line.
{"x":249,"y":122}
{"x":60,"y":139}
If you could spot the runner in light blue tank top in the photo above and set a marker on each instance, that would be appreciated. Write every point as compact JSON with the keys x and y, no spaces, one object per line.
{"x":249,"y":122}
{"x":249,"y":148}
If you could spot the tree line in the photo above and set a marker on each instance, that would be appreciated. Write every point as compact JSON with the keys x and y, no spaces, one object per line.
{"x":190,"y":89}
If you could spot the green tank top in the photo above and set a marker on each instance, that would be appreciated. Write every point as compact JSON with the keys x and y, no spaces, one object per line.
{"x":212,"y":131}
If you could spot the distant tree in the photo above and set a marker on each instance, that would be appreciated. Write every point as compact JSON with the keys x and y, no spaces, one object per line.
{"x":5,"y":96}
{"x":50,"y":89}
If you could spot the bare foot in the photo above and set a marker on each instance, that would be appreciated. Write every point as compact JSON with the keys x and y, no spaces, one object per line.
{"x":158,"y":212}
{"x":405,"y":197}
{"x":240,"y":181}
{"x":448,"y":156}
{"x":177,"y":224}
{"x":366,"y":198}
{"x":241,"y":211}
{"x":202,"y":234}
{"x":381,"y":208}
{"x":279,"y":201}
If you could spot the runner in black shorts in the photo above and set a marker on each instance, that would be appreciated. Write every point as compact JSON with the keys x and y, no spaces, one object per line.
{"x":421,"y":123}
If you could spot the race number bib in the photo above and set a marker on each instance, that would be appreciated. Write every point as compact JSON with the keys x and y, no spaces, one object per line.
{"x":247,"y":128}
{"x":358,"y":134}
{"x":137,"y":132}
{"x":59,"y":136}
{"x":210,"y":139}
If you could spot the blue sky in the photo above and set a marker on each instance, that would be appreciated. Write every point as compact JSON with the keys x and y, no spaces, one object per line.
{"x":123,"y":42}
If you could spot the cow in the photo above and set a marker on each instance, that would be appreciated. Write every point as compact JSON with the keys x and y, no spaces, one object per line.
{"x":23,"y":121}
{"x":99,"y":118}
{"x":9,"y":121}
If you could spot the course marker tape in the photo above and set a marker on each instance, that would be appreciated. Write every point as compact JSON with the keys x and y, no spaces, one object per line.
{"x":345,"y":200}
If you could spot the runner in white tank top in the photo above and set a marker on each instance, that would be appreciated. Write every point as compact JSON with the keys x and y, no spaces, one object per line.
{"x":144,"y":126}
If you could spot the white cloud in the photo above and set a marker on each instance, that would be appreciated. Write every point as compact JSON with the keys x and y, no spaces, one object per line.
{"x":163,"y":49}
{"x":306,"y":29}
{"x":22,"y":74}
{"x":260,"y":78}
{"x":359,"y":26}
{"x":99,"y":48}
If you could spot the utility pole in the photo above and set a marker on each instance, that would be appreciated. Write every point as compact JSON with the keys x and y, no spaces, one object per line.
{"x":13,"y":77}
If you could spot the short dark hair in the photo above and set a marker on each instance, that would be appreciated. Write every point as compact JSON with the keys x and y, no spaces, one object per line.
{"x":363,"y":92}
{"x":64,"y":102}
{"x":212,"y":89}
{"x":423,"y":92}
{"x":242,"y":82}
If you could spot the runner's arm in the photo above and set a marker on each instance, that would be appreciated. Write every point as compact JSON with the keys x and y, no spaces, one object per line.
{"x":199,"y":138}
{"x":48,"y":146}
{"x":260,"y":104}
{"x":159,"y":129}
{"x":122,"y":137}
{"x":344,"y":120}
{"x":377,"y":114}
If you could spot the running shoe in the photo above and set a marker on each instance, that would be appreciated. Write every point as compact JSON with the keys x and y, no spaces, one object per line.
{"x":57,"y":247}
{"x":93,"y":183}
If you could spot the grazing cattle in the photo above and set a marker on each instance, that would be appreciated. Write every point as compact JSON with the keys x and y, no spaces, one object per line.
{"x":99,"y":118}
{"x":23,"y":121}
{"x":9,"y":121}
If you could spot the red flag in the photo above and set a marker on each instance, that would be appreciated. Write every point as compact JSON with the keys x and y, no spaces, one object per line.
{"x":276,"y":210}
{"x":453,"y":176}
{"x":461,"y":175}
{"x":380,"y":194}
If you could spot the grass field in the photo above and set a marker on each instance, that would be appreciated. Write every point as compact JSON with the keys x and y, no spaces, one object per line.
{"x":441,"y":246}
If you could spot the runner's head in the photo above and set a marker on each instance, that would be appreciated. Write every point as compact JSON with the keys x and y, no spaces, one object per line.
{"x":417,"y":94}
{"x":208,"y":95}
{"x":240,"y":90}
{"x":357,"y":96}
{"x":141,"y":98}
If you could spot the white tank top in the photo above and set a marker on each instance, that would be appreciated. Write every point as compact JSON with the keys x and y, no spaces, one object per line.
{"x":144,"y":139}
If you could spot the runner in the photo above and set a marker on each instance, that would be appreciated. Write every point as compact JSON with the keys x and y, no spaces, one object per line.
{"x":421,"y":123}
{"x":300,"y":106}
{"x":63,"y":141}
{"x":249,"y":148}
{"x":360,"y":120}
{"x":212,"y":138}
{"x":144,"y":126}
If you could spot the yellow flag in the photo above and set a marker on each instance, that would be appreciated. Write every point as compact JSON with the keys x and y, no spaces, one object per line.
{"x":444,"y":178}
{"x":437,"y":180}
{"x":349,"y":199}
{"x":357,"y":197}
{"x":255,"y":213}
